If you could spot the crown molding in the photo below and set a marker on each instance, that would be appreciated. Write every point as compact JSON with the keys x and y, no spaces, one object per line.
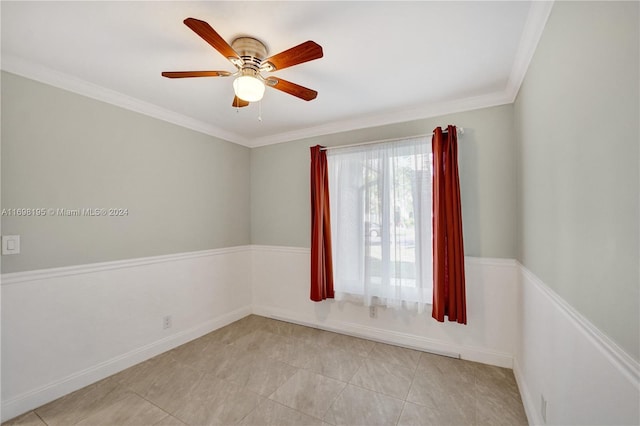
{"x":534,"y":26}
{"x":37,"y":72}
{"x":400,"y":116}
{"x":536,"y":20}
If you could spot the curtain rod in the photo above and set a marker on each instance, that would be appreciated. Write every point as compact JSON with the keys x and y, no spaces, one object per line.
{"x":459,"y":129}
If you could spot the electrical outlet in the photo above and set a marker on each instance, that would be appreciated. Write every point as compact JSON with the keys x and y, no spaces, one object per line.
{"x":373,"y":312}
{"x":166,"y":322}
{"x":543,"y":408}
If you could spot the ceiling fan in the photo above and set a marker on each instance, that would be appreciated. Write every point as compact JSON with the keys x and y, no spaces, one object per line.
{"x":249,"y":56}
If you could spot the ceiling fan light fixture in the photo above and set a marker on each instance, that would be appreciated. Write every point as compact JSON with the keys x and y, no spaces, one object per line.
{"x":248,"y":88}
{"x":249,"y":56}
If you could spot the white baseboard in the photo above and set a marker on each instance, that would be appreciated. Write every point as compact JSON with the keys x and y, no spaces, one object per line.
{"x":530,"y":407}
{"x":382,"y":335}
{"x":585,"y":377}
{"x":37,"y":397}
{"x":65,"y":328}
{"x":280,"y":290}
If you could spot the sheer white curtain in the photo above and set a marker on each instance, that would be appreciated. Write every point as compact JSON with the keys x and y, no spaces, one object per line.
{"x":380,"y":196}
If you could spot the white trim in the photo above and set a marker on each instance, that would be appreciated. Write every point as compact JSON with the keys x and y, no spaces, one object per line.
{"x":396,"y":338}
{"x":282,"y":249}
{"x":534,"y":27}
{"x":622,"y":361}
{"x":375,"y":120}
{"x":43,"y":274}
{"x":490,"y":261}
{"x":73,"y":84}
{"x":472,"y":260}
{"x":44,"y":394}
{"x":530,"y":407}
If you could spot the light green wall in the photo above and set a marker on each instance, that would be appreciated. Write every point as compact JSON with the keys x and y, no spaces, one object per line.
{"x":280,"y":181}
{"x":577,"y":130}
{"x":184,"y":190}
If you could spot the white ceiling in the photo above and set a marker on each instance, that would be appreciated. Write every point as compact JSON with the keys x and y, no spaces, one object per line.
{"x":384,"y":62}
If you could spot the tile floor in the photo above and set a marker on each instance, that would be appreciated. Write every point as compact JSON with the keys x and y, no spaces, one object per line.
{"x":259,"y":371}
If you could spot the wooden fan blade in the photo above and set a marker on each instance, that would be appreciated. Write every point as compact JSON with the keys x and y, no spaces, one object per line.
{"x":184,"y":74}
{"x":307,"y":51}
{"x":210,"y":35}
{"x":291,"y":88}
{"x":239,"y":103}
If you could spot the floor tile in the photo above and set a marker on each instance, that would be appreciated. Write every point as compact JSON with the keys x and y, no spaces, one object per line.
{"x":383,"y":377}
{"x":292,"y":351}
{"x":353,"y":345}
{"x":232,"y":332}
{"x":452,"y":368}
{"x":215,"y":401}
{"x":334,"y":363}
{"x":271,"y":413}
{"x":258,"y":340}
{"x":356,"y":406}
{"x":261,"y":374}
{"x":210,"y":358}
{"x":252,"y":322}
{"x":28,"y":419}
{"x":507,"y":411}
{"x":169,"y":420}
{"x":189,"y":352}
{"x":395,"y":355}
{"x":260,"y":371}
{"x":130,"y":409}
{"x":419,"y":415}
{"x":171,"y":383}
{"x":140,"y":377}
{"x":313,"y":335}
{"x":498,"y":402}
{"x":215,"y":358}
{"x":72,"y":408}
{"x":308,"y":392}
{"x":282,"y":328}
{"x":491,"y":375}
{"x":450,"y":399}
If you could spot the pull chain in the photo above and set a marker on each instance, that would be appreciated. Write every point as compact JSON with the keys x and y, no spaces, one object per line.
{"x":260,"y":110}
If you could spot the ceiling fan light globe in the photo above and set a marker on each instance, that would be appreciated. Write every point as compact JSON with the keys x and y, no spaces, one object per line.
{"x":248,"y":88}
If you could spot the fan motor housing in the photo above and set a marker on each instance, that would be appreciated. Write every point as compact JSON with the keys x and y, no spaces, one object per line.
{"x":252,"y":51}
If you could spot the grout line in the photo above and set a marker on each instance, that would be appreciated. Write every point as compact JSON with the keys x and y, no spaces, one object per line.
{"x":404,"y":404}
{"x":297,"y":341}
{"x":41,"y":419}
{"x":156,"y":405}
{"x":334,"y":400}
{"x":297,"y":411}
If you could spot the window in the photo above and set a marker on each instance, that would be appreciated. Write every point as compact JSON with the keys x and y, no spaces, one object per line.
{"x":380,"y":197}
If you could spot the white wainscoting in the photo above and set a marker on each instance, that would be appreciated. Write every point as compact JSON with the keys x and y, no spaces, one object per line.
{"x":64,"y":328}
{"x":585,"y":378}
{"x":281,"y":290}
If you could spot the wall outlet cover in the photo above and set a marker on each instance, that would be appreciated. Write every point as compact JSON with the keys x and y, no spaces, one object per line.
{"x":10,"y":244}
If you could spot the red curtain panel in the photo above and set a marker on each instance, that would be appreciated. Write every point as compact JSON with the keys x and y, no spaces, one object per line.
{"x":321,"y":263}
{"x":448,"y":254}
